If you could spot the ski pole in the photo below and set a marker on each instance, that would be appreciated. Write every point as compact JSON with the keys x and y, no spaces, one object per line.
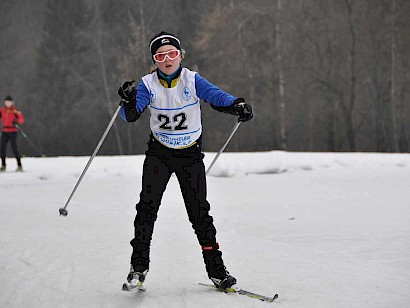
{"x":224,"y":146}
{"x":63,"y":210}
{"x":28,"y":140}
{"x":21,"y":131}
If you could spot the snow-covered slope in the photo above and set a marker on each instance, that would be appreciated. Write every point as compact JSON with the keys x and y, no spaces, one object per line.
{"x":320,"y":229}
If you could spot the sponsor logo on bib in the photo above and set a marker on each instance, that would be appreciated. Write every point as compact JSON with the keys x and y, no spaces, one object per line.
{"x":153,"y":96}
{"x":186,"y":94}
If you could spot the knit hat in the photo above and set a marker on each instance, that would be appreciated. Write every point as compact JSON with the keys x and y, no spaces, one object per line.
{"x":163,"y":38}
{"x":8,"y":98}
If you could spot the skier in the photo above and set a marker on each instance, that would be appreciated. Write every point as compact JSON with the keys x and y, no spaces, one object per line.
{"x":10,"y":117}
{"x":172,"y":94}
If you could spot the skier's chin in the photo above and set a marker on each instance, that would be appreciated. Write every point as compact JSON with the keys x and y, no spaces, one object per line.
{"x":169,"y":69}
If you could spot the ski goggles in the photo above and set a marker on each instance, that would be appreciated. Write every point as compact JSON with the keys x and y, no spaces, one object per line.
{"x":171,"y":55}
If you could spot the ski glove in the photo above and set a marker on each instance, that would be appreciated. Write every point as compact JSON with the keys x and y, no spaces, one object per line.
{"x":238,"y":108}
{"x":128,"y":93}
{"x":243,"y":110}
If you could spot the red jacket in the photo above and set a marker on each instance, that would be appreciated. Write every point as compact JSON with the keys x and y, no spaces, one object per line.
{"x":9,"y":117}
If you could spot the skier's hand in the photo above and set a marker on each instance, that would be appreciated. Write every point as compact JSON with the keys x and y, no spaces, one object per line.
{"x":243,"y":110}
{"x":128,"y":93}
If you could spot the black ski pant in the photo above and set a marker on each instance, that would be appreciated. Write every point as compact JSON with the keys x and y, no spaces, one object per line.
{"x":5,"y":138}
{"x":187,"y":164}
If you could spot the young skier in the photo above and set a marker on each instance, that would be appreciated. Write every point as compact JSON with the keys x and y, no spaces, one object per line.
{"x":10,"y":116}
{"x":172,"y":94}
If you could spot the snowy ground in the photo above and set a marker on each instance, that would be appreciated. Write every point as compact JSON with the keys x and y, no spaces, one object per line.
{"x":320,"y":229}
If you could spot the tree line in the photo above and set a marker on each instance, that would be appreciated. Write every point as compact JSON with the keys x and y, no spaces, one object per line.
{"x":321,"y":75}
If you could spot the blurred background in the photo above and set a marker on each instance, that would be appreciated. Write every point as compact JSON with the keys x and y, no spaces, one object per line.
{"x":322,"y":75}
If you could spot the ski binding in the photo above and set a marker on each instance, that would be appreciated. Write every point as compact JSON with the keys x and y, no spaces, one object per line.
{"x":129,"y":287}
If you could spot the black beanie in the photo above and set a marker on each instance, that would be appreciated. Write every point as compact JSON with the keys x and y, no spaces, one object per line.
{"x":8,"y":98}
{"x":161,"y":39}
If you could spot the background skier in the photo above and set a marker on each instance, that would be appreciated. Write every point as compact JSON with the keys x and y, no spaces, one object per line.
{"x":10,"y":116}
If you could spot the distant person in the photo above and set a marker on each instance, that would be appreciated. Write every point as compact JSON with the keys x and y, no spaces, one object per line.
{"x":10,"y":117}
{"x":172,"y":94}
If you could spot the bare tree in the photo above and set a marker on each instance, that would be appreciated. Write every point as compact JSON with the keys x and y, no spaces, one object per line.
{"x":97,"y":38}
{"x":392,"y":104}
{"x":281,"y":86}
{"x":349,"y":105}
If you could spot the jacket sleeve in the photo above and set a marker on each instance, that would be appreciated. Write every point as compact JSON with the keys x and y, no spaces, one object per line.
{"x":211,"y":93}
{"x":20,"y":117}
{"x":132,"y":113}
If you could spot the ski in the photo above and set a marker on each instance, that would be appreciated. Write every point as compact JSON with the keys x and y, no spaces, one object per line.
{"x":128,"y":287}
{"x":243,"y":292}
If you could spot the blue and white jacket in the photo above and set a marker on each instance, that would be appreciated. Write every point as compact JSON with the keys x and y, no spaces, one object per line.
{"x":175,"y":105}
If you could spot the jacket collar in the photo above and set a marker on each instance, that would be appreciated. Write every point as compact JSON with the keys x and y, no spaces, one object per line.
{"x":169,"y":81}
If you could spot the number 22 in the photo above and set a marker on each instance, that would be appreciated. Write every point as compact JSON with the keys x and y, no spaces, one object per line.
{"x":178,"y":119}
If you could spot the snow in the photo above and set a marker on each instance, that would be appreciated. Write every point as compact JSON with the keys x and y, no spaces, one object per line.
{"x":320,"y":229}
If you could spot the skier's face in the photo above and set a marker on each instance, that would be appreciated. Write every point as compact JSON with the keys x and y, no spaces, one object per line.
{"x":169,"y":64}
{"x":8,"y":103}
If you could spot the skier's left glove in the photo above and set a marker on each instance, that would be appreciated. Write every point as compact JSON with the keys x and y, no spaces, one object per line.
{"x":238,"y":108}
{"x":243,"y":110}
{"x":128,"y":93}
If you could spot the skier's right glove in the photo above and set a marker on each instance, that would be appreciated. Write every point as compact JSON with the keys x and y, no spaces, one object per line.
{"x":128,"y":93}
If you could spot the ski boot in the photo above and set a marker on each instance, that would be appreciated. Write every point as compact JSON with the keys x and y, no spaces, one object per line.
{"x":19,"y":169}
{"x":135,"y":280}
{"x":216,"y":269}
{"x":2,"y":168}
{"x":225,"y":283}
